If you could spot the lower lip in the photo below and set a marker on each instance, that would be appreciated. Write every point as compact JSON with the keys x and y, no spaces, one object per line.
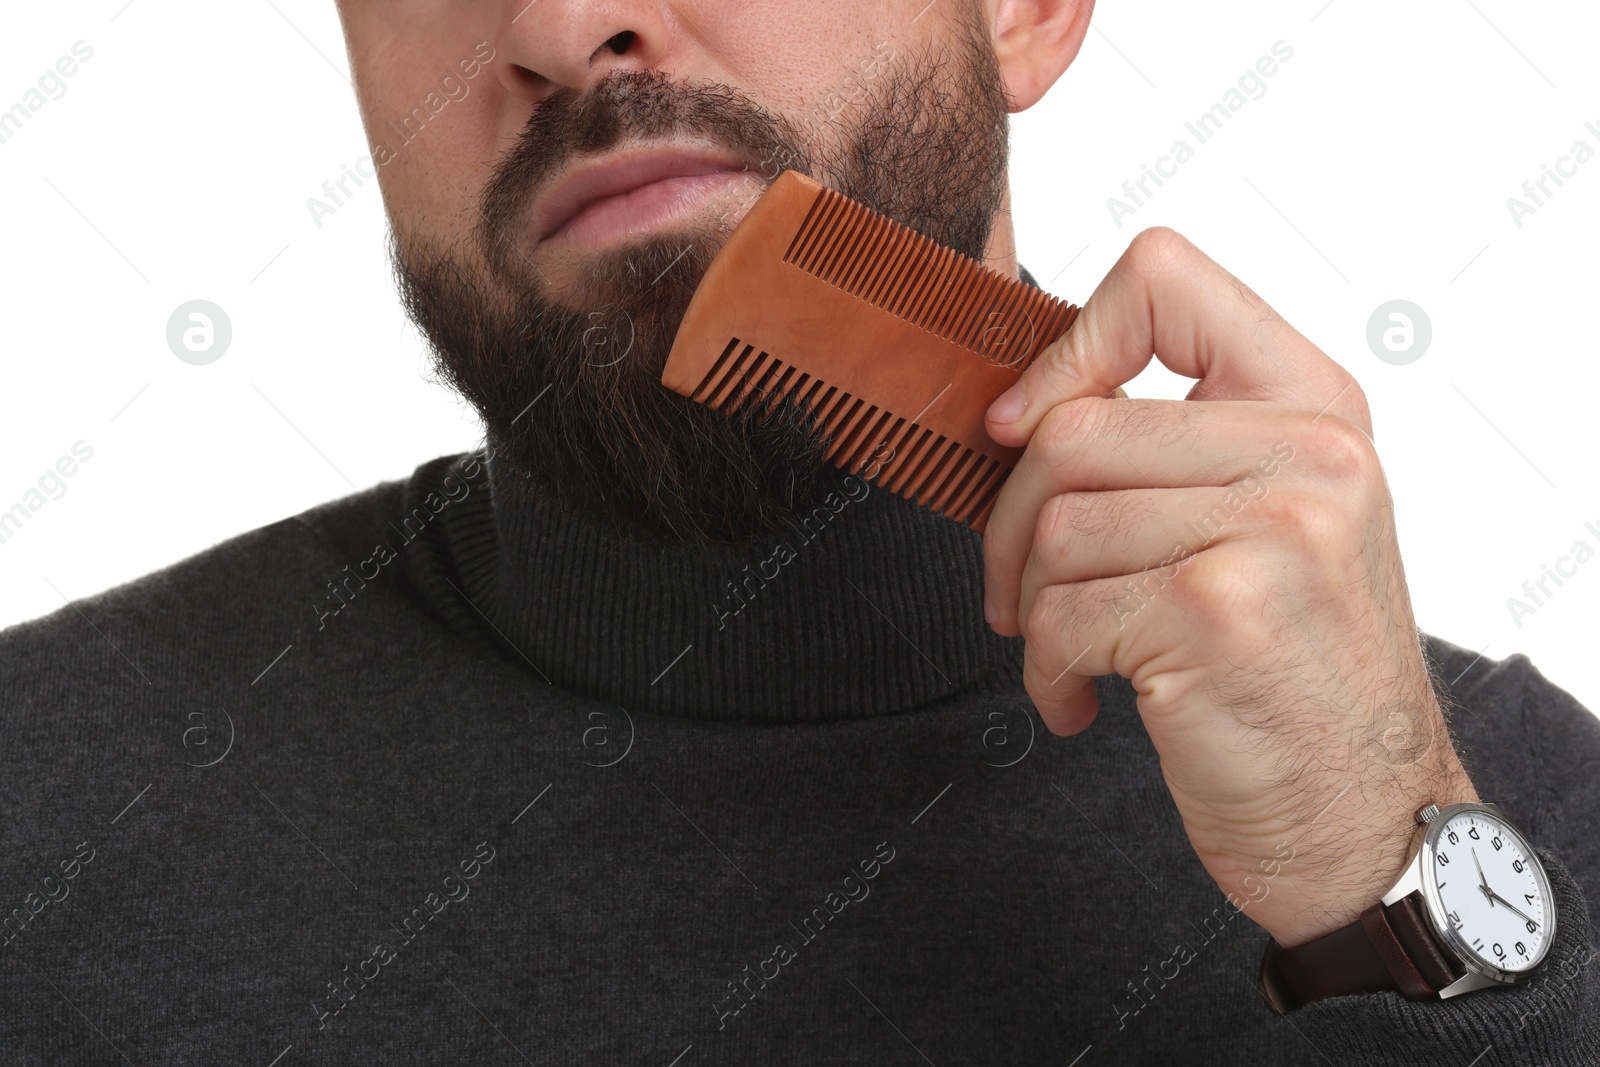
{"x":643,"y":209}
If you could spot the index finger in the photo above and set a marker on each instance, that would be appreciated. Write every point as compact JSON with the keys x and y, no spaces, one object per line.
{"x":1166,"y":298}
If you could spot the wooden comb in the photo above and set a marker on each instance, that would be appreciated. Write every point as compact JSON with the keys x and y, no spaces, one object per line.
{"x":897,"y":343}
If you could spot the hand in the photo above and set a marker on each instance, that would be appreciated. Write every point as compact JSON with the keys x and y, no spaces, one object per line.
{"x":1483,"y":883}
{"x":1234,"y":556}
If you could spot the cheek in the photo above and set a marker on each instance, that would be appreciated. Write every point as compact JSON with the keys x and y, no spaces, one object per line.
{"x":820,"y":66}
{"x":423,"y":138}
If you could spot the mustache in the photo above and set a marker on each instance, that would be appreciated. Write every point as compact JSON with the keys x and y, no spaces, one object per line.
{"x":626,"y":106}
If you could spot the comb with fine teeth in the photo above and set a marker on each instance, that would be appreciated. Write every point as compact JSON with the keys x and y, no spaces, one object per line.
{"x":897,"y":343}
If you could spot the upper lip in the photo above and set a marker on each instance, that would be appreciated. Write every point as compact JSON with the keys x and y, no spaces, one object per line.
{"x":619,"y":172}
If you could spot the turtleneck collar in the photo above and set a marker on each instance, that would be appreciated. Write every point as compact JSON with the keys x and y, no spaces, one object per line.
{"x":873,"y":604}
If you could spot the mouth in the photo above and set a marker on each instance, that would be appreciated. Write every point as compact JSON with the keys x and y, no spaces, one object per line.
{"x":632,"y":191}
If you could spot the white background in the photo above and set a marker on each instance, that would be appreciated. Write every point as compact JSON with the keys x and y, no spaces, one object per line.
{"x":1376,"y":166}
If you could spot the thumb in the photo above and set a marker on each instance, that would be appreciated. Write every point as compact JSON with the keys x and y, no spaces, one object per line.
{"x":1053,"y":377}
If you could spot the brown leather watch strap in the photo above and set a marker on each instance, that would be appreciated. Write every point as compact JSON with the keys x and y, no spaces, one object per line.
{"x":1438,"y":966}
{"x":1386,"y":948}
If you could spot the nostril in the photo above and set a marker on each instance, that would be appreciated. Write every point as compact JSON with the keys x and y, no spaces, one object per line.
{"x":619,"y":43}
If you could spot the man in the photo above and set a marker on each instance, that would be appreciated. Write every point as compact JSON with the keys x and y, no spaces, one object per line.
{"x":643,"y":735}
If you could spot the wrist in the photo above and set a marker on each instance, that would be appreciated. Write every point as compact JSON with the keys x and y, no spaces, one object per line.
{"x":1350,"y":866}
{"x":1473,"y":909}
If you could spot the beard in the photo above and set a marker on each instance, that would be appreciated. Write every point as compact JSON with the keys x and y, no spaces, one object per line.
{"x":570,"y":391}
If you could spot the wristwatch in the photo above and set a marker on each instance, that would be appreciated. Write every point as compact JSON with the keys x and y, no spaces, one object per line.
{"x":1473,"y":910}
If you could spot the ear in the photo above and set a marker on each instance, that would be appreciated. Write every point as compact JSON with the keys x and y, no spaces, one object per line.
{"x":1035,"y":41}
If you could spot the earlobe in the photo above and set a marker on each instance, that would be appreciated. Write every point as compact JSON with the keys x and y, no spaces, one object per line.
{"x":1035,"y":42}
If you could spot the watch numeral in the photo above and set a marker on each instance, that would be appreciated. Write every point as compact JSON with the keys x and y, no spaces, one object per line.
{"x":1478,"y":944}
{"x":1518,"y":866}
{"x":1454,"y":840}
{"x":1444,"y":861}
{"x":1472,"y":832}
{"x":1528,"y":897}
{"x":1455,"y":918}
{"x":1533,"y":927}
{"x":1496,"y":842}
{"x":1522,"y":949}
{"x":1498,"y":951}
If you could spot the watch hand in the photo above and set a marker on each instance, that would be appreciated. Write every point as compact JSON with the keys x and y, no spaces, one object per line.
{"x":1512,"y":906}
{"x":1483,"y":883}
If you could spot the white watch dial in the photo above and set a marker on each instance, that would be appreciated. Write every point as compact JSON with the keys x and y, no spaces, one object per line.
{"x":1494,"y":892}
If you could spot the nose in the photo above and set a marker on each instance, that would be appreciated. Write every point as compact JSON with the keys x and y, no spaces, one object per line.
{"x":573,"y":44}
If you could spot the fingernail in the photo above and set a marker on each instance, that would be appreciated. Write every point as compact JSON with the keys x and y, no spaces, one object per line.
{"x":1009,"y":406}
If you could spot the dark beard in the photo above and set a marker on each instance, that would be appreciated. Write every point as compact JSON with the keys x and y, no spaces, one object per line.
{"x":571,"y":397}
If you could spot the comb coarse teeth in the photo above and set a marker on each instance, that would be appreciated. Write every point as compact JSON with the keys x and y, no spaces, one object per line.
{"x":913,"y":461}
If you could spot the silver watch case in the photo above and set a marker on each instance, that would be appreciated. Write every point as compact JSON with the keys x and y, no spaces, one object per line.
{"x":1420,"y":875}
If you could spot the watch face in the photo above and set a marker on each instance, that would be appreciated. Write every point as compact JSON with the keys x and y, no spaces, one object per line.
{"x":1491,"y":890}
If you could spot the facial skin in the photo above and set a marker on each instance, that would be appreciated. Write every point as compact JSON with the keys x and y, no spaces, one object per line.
{"x":559,"y":343}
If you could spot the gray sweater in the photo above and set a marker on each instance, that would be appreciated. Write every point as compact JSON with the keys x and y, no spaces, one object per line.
{"x":435,"y":774}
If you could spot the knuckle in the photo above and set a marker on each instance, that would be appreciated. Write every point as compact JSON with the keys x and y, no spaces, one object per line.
{"x":1139,"y":417}
{"x":1360,"y":410}
{"x":1053,"y":616}
{"x":1076,"y":354}
{"x":1067,"y":426}
{"x":1211,"y":593}
{"x":1055,"y":533}
{"x":1040,"y":618}
{"x":1052,"y":527}
{"x":1070,"y":519}
{"x":1345,"y":451}
{"x":1300,"y":520}
{"x":1159,"y":249}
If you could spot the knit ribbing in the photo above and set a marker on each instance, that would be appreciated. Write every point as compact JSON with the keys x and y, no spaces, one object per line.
{"x":877,"y":608}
